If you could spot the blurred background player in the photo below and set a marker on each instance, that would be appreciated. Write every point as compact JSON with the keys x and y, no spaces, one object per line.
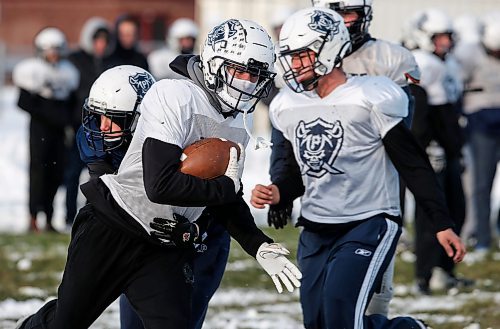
{"x":368,"y":56}
{"x":47,"y":84}
{"x":482,"y":109}
{"x":181,"y":39}
{"x":94,"y":45}
{"x":437,"y":130}
{"x":126,"y":51}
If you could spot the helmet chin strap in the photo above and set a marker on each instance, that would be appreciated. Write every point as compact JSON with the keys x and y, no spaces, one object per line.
{"x":259,"y":142}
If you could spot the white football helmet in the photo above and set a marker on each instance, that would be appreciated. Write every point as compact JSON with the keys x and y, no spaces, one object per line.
{"x":429,"y":23}
{"x":359,"y":28}
{"x":321,"y":30}
{"x":408,"y":29}
{"x":244,"y":46}
{"x":491,"y":35}
{"x":181,"y":28}
{"x":116,"y":94}
{"x":50,"y":39}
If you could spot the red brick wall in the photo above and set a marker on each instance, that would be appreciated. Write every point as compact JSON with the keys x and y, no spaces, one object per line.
{"x":20,"y":20}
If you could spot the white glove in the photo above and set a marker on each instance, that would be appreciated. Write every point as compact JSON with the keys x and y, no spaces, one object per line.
{"x":272,"y":259}
{"x":235,"y":166}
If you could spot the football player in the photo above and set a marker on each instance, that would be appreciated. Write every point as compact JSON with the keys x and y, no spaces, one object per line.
{"x":437,"y":130}
{"x":103,"y":142}
{"x":349,"y":142}
{"x":482,"y":107}
{"x":47,"y":86}
{"x":181,"y":39}
{"x":124,"y":239}
{"x":367,"y":56}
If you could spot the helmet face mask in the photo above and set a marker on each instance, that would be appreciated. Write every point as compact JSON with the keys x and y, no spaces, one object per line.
{"x":358,"y":28}
{"x":306,"y":79}
{"x":319,"y":40}
{"x":121,"y":126}
{"x":110,"y":113}
{"x":237,"y":61}
{"x":242,"y":94}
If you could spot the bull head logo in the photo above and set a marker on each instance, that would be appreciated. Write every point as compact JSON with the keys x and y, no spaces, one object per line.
{"x":319,"y":143}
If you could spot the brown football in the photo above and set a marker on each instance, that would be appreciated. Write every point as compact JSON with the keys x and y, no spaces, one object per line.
{"x":207,"y":158}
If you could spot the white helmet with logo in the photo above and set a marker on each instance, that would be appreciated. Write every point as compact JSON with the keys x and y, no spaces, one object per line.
{"x":359,"y":28}
{"x":181,"y":28}
{"x":50,"y":38}
{"x":429,"y":23}
{"x":116,"y":94}
{"x":245,"y":46}
{"x":321,"y":30}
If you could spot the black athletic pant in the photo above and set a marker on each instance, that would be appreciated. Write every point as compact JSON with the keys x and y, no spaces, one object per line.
{"x":104,"y":262}
{"x":46,"y":167}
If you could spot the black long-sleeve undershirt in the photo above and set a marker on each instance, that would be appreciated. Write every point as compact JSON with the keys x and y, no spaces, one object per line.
{"x":165,"y":184}
{"x":412,"y":163}
{"x":239,"y":222}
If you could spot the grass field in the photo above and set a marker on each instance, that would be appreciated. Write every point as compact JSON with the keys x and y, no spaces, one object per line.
{"x":31,"y":267}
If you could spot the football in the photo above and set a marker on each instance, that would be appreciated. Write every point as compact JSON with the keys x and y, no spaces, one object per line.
{"x":207,"y":158}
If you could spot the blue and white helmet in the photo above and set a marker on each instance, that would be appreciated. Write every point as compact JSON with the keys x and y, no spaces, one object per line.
{"x":246,"y":46}
{"x":321,"y":30}
{"x":116,"y":94}
{"x":359,"y":28}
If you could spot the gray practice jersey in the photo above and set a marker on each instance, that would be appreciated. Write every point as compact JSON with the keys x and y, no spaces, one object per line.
{"x":176,"y":112}
{"x":337,"y":142}
{"x":50,"y":81}
{"x":379,"y":57}
{"x":482,"y":83}
{"x":440,"y":79}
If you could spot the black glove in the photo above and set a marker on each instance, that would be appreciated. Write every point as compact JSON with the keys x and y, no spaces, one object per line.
{"x":177,"y":232}
{"x":278,"y":216}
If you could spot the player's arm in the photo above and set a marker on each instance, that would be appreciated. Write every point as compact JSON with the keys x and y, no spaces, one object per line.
{"x":165,"y":184}
{"x":412,"y":163}
{"x":238,"y":220}
{"x":282,"y":164}
{"x":51,"y":111}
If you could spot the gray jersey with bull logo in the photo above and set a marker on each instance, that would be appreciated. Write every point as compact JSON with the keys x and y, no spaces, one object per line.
{"x":337,"y":142}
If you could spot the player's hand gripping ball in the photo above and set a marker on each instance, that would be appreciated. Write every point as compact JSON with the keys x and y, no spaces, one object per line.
{"x":207,"y":158}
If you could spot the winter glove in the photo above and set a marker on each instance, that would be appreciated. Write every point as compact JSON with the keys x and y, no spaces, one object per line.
{"x":235,"y":166}
{"x":177,"y":232}
{"x":271,"y":256}
{"x":279,"y":216}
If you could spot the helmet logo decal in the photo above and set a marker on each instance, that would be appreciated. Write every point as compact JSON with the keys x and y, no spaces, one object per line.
{"x":318,"y":143}
{"x":218,"y":33}
{"x":324,"y":23}
{"x":141,"y":82}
